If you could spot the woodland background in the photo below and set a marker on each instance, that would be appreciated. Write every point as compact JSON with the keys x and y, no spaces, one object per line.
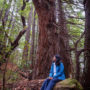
{"x":33,"y":31}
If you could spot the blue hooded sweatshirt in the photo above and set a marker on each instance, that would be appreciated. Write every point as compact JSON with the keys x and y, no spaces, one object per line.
{"x":59,"y":71}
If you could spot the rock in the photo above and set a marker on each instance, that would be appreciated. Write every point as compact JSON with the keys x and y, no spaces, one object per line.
{"x":68,"y":84}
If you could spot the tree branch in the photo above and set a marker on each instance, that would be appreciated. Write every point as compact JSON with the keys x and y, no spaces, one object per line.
{"x":69,"y":22}
{"x":80,"y":38}
{"x":76,"y":17}
{"x":15,"y":42}
{"x":22,"y":17}
{"x":82,"y":50}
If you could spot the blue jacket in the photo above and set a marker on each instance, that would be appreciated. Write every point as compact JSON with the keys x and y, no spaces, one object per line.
{"x":59,"y":71}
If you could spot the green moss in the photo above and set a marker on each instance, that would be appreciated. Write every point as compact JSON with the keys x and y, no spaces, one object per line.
{"x":70,"y":83}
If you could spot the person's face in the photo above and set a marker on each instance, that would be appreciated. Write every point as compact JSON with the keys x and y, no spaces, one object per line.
{"x":54,"y":59}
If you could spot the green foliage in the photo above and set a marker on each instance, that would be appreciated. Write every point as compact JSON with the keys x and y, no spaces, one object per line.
{"x":1,"y":3}
{"x":75,"y":20}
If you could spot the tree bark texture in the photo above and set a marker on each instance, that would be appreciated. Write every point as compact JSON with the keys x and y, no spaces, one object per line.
{"x":51,"y":39}
{"x":86,"y":80}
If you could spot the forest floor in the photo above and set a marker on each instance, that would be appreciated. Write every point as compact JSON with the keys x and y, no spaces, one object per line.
{"x":28,"y":85}
{"x":24,"y":84}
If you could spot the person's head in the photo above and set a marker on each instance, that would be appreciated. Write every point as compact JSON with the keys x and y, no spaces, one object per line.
{"x":57,"y":59}
{"x":54,"y":59}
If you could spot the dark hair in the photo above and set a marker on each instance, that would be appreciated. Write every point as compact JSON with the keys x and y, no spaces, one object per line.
{"x":58,"y":59}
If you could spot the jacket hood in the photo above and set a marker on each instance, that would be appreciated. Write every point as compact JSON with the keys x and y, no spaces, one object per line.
{"x":58,"y":59}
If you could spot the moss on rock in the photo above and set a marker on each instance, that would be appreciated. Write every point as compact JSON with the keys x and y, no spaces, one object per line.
{"x":68,"y":84}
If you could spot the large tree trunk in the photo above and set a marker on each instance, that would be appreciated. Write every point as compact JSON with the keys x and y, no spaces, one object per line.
{"x":87,"y":46}
{"x":63,"y":46}
{"x":51,"y":40}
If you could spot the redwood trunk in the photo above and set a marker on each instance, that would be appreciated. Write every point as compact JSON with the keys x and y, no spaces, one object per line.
{"x":51,"y":40}
{"x":63,"y":46}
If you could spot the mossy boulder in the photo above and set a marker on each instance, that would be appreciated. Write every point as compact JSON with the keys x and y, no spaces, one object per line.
{"x":68,"y":84}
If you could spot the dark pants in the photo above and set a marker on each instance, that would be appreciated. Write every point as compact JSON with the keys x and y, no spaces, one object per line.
{"x":49,"y":84}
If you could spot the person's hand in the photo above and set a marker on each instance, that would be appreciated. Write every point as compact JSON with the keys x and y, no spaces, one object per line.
{"x":50,"y":77}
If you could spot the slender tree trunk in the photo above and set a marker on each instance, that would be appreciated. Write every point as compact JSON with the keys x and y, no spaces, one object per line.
{"x":36,"y":41}
{"x":86,"y":73}
{"x":32,"y":42}
{"x":77,"y":68}
{"x":27,"y":38}
{"x":4,"y":75}
{"x":36,"y":36}
{"x":51,"y":40}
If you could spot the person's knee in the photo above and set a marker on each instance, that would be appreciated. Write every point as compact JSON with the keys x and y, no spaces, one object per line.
{"x":47,"y":79}
{"x":54,"y":81}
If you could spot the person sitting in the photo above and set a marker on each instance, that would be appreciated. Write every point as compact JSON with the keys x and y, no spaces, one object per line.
{"x":56,"y":74}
